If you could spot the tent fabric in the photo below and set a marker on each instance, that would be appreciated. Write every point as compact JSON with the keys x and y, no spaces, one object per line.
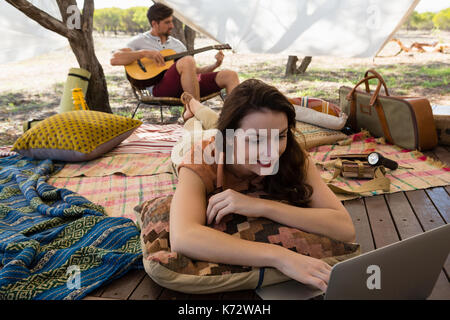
{"x":341,"y":28}
{"x":23,"y":38}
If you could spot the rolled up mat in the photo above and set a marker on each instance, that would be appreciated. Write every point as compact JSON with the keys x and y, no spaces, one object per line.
{"x":77,"y":78}
{"x":319,"y":118}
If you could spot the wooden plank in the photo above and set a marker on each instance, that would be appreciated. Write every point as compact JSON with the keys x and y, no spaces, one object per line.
{"x":97,"y":292}
{"x":123,"y":287}
{"x":424,"y":209}
{"x":98,"y":298}
{"x":402,"y":214}
{"x":442,"y":154}
{"x":441,"y":200}
{"x":427,"y":214}
{"x":383,"y":228}
{"x":168,"y":294}
{"x":147,"y":289}
{"x":408,"y":225}
{"x":357,"y":211}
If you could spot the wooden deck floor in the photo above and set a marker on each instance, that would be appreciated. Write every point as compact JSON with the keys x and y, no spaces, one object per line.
{"x":379,"y":221}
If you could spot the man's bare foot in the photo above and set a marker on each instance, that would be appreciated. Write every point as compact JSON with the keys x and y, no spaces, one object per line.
{"x":186,"y":99}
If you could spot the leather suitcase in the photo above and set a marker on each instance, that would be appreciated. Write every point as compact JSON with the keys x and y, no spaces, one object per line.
{"x":403,"y":121}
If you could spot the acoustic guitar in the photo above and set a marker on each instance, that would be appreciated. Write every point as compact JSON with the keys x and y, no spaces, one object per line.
{"x":146,"y":72}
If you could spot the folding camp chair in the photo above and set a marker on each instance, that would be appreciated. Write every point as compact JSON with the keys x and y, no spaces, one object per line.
{"x":144,"y":97}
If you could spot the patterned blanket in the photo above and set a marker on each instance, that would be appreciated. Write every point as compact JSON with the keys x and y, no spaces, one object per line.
{"x":150,"y":138}
{"x":147,"y":176}
{"x":119,"y":194}
{"x":416,"y":171}
{"x":55,"y":244}
{"x":129,"y":164}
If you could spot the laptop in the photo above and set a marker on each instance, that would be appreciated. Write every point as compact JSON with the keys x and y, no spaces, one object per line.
{"x":407,"y":269}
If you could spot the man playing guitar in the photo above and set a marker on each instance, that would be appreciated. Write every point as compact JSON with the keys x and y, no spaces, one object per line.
{"x":183,"y":75}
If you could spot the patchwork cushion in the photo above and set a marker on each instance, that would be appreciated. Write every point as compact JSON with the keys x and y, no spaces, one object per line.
{"x":178,"y":272}
{"x":313,"y":136}
{"x":75,"y":136}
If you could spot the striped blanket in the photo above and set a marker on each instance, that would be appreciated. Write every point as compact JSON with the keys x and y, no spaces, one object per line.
{"x":150,"y":138}
{"x":55,"y":244}
{"x":6,"y":151}
{"x":130,"y":165}
{"x":416,"y":170}
{"x":119,"y":182}
{"x":119,"y":194}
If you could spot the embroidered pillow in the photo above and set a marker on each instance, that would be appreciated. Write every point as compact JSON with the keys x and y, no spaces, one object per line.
{"x":178,"y":272}
{"x":75,"y":136}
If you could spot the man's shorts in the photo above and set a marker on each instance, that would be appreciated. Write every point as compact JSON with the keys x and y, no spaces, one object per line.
{"x":170,"y":85}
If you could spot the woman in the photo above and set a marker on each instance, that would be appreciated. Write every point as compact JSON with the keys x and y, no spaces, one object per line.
{"x":207,"y":192}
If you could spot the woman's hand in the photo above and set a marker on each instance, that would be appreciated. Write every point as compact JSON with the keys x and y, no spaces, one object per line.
{"x":230,"y":201}
{"x":305,"y":269}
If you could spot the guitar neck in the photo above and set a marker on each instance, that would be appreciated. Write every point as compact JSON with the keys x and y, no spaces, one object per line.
{"x":187,"y":53}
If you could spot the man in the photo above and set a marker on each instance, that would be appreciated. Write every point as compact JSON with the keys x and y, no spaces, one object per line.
{"x":184,"y":75}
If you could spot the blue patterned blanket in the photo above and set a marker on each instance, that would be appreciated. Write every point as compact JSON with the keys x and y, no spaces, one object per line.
{"x":55,"y":244}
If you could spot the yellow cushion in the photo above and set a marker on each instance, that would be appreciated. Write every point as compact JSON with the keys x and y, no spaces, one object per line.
{"x":75,"y":136}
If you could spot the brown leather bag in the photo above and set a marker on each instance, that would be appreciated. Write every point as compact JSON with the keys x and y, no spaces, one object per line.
{"x":404,"y":121}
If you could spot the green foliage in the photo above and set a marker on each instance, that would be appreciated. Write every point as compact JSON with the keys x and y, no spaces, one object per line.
{"x":442,"y":19}
{"x":140,"y":18}
{"x":429,"y":20}
{"x":420,"y":21}
{"x":131,"y":20}
{"x":107,"y":19}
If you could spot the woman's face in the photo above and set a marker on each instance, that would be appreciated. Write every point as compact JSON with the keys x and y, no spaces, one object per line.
{"x":260,"y":143}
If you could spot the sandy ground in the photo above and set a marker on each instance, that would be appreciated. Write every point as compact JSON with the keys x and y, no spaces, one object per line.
{"x":32,"y":88}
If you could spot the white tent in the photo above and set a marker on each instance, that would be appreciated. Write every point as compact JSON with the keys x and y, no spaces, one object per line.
{"x":23,"y":38}
{"x":345,"y":28}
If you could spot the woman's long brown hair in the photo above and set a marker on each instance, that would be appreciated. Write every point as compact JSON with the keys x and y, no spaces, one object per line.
{"x":253,"y":95}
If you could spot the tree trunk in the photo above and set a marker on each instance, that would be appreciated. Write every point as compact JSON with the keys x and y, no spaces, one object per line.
{"x":304,"y":65}
{"x":178,"y":31}
{"x":80,"y":40}
{"x":189,"y":35}
{"x":97,"y":97}
{"x":183,"y":33}
{"x":291,"y":66}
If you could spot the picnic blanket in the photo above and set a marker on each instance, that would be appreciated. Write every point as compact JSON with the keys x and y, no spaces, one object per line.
{"x":424,"y":171}
{"x":125,"y":164}
{"x":119,"y":194}
{"x":55,"y":244}
{"x":5,"y":151}
{"x":151,"y":138}
{"x":119,"y":182}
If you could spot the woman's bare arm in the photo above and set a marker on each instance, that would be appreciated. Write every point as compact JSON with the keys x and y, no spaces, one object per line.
{"x":190,"y":236}
{"x":326,"y":214}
